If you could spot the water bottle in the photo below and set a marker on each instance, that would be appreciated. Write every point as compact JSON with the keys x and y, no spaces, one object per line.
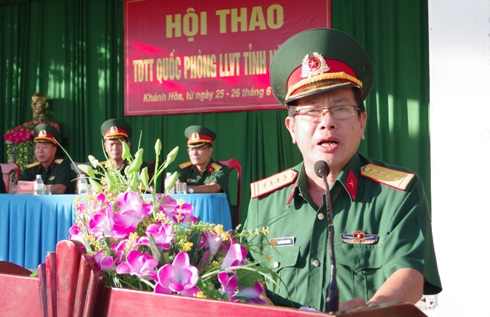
{"x":82,"y":185}
{"x":38,"y":185}
{"x":167,"y":182}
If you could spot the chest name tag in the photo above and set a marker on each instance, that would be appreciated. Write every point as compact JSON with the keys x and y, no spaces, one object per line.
{"x":191,"y":181}
{"x":52,"y":177}
{"x":282,"y":242}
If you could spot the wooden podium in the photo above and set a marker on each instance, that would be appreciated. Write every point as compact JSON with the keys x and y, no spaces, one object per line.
{"x":68,"y":286}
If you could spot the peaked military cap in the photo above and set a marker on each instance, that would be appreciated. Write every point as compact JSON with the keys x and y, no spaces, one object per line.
{"x":115,"y":128}
{"x":44,"y":132}
{"x":198,"y":136}
{"x":317,"y":61}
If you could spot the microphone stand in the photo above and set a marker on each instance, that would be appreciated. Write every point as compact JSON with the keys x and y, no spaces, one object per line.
{"x":332,"y":300}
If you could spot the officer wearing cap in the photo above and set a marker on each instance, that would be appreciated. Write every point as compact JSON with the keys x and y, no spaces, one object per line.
{"x":202,"y":173}
{"x":383,"y":238}
{"x":114,"y":132}
{"x":54,"y":171}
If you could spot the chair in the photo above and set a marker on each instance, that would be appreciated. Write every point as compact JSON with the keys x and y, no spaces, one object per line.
{"x":233,"y":164}
{"x":11,"y":173}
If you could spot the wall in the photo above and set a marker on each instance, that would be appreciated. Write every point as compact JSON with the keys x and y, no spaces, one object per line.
{"x":459,"y":50}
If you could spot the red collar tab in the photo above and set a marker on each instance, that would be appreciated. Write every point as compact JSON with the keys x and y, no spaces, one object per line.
{"x":351,"y":184}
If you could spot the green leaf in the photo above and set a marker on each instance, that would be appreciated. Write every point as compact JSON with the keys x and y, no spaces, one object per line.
{"x":95,"y":185}
{"x":247,"y":278}
{"x":155,"y":252}
{"x":87,"y":170}
{"x":126,"y":154}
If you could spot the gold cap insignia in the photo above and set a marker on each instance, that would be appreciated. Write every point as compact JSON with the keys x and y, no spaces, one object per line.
{"x":313,"y":66}
{"x":195,"y":136}
{"x":43,"y":133}
{"x":113,"y":129}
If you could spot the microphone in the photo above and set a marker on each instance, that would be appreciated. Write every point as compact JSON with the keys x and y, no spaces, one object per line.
{"x":332,"y":301}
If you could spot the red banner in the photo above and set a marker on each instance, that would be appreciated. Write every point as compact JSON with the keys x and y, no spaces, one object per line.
{"x":193,"y":56}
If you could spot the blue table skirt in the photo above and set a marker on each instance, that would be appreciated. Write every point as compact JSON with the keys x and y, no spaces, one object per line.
{"x":31,"y":226}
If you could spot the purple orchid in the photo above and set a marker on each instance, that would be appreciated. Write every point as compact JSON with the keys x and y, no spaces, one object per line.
{"x":236,"y":256}
{"x":179,"y":277}
{"x":102,"y":224}
{"x":251,"y":294}
{"x":175,"y":211}
{"x":131,"y":212}
{"x":104,"y":262}
{"x":228,"y":284}
{"x":163,"y":236}
{"x":139,"y":264}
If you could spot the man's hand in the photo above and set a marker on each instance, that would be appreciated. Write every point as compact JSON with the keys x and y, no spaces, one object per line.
{"x":352,"y":303}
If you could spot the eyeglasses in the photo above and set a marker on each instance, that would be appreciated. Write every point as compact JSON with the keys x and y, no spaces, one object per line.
{"x":197,"y":149}
{"x":338,"y":112}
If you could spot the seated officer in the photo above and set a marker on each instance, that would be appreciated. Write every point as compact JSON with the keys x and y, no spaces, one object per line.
{"x":116,"y":131}
{"x":54,"y":171}
{"x":202,"y":173}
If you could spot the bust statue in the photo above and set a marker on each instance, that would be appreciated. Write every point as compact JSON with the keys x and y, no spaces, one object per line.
{"x":39,"y":104}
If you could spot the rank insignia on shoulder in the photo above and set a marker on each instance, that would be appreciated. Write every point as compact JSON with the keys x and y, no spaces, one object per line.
{"x":33,"y":164}
{"x":358,"y":237}
{"x":58,"y":161}
{"x":216,"y":166}
{"x":387,"y":176}
{"x":184,"y":165}
{"x":282,"y":242}
{"x":272,"y":183}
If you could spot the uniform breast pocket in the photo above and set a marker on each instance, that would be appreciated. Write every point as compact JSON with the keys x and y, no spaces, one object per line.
{"x":358,"y":266}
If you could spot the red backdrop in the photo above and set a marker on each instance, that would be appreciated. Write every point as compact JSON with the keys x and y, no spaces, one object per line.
{"x":193,"y":56}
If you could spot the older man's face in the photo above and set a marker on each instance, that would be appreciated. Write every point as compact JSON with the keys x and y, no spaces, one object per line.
{"x":45,"y":152}
{"x":200,"y":155}
{"x":114,"y":148}
{"x":325,"y":138}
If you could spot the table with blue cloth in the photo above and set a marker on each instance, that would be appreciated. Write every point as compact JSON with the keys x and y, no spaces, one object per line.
{"x":31,"y":226}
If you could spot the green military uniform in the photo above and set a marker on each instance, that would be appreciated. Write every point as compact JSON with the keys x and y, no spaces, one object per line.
{"x":391,"y":221}
{"x":380,"y":214}
{"x":215,"y":172}
{"x":58,"y":172}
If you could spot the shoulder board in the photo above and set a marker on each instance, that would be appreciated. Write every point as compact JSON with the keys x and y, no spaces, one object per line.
{"x":273,"y":183}
{"x":184,"y":165}
{"x":103,"y":163}
{"x":387,"y":176}
{"x":33,"y":164}
{"x":216,"y":166}
{"x":58,"y":161}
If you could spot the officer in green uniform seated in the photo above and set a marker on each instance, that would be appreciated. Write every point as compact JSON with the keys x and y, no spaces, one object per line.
{"x":54,"y":171}
{"x":202,"y":173}
{"x":114,"y":132}
{"x":383,"y":238}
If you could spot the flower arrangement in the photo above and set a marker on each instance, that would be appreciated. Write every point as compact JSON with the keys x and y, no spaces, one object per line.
{"x":148,"y":241}
{"x":20,"y":147}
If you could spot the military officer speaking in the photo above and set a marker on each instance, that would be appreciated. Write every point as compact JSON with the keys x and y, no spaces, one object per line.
{"x":54,"y":171}
{"x":383,"y":237}
{"x":202,"y":174}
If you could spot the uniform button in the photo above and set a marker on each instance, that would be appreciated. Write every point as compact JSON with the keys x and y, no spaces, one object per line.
{"x":276,"y":264}
{"x":315,"y":263}
{"x":321,"y":216}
